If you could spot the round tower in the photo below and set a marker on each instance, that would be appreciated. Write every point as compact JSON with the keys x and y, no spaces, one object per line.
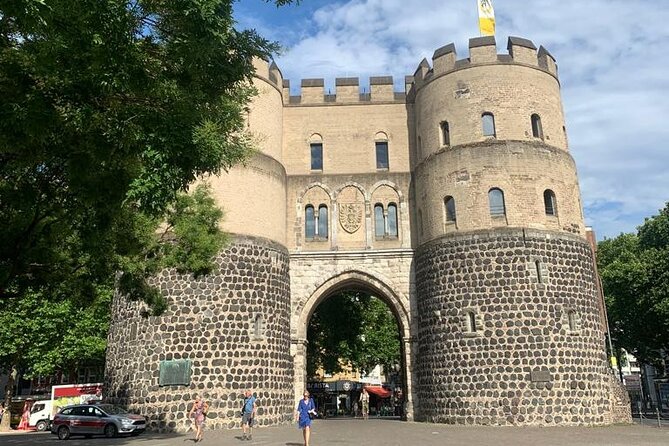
{"x":230,"y":330}
{"x":508,"y":313}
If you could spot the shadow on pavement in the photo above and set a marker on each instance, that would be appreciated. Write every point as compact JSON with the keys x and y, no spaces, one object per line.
{"x":42,"y":438}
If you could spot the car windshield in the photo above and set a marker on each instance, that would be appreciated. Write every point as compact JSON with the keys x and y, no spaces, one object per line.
{"x":112,"y":410}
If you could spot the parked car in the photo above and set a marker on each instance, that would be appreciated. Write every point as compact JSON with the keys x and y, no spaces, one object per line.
{"x":96,"y":419}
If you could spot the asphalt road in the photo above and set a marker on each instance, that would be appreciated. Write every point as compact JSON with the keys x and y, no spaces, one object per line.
{"x":383,"y":433}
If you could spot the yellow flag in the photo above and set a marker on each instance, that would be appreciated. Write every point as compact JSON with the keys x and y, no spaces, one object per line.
{"x":486,"y":18}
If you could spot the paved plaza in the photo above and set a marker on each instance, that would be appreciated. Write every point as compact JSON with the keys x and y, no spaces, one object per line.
{"x":385,"y":433}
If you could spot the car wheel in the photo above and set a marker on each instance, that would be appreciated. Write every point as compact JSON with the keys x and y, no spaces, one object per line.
{"x":63,"y":433}
{"x":41,"y":426}
{"x":110,"y":431}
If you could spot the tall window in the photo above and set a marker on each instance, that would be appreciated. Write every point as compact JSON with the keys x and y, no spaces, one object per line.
{"x":496,"y":201}
{"x":571,"y":320}
{"x":379,"y":222}
{"x":323,"y":221}
{"x":382,"y":155}
{"x":445,"y":134}
{"x":316,"y":156}
{"x":471,"y":322}
{"x":309,"y":222}
{"x":449,"y":204}
{"x":488,"y":123}
{"x":537,"y":131}
{"x":392,"y":220}
{"x":385,"y":223}
{"x":549,"y":202}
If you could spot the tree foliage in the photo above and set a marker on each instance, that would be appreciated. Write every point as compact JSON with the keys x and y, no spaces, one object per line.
{"x":109,"y":111}
{"x":635,"y":274}
{"x":355,"y":330}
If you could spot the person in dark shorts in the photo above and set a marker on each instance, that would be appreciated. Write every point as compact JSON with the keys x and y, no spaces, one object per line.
{"x":248,"y":414}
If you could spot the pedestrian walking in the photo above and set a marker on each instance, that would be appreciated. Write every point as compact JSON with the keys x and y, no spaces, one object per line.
{"x":199,"y":413}
{"x":364,"y":402}
{"x":306,"y":410}
{"x":248,"y":414}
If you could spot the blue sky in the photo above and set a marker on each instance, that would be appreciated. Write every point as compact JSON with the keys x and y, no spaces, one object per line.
{"x":613,"y":58}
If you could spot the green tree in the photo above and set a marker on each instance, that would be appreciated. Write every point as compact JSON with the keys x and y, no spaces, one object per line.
{"x":109,"y":111}
{"x":355,"y":330}
{"x":635,"y":275}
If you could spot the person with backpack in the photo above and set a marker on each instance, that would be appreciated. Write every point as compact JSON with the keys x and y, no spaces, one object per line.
{"x":248,"y":414}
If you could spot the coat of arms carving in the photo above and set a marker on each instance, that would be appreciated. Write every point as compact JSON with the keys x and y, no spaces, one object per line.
{"x":350,"y":216}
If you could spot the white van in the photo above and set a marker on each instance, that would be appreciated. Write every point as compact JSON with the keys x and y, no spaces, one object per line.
{"x":40,"y":415}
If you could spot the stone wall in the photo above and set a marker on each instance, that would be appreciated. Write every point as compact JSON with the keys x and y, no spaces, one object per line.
{"x":535,"y":355}
{"x":211,"y":321}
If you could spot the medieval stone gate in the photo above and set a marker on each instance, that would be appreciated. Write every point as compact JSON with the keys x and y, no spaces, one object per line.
{"x":456,"y":201}
{"x":386,"y":275}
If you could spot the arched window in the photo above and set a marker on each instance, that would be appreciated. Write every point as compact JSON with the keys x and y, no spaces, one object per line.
{"x":445,"y":134}
{"x":392,"y":220}
{"x":537,"y":131}
{"x":449,"y":205}
{"x":323,"y":221}
{"x":309,"y":222}
{"x":496,"y":201}
{"x":549,"y":202}
{"x":488,"y":123}
{"x":379,"y":221}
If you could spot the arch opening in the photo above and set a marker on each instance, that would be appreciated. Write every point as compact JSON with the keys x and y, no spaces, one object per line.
{"x":367,"y":349}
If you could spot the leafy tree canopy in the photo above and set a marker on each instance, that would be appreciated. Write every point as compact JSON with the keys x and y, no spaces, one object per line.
{"x":109,"y":111}
{"x":355,"y":330}
{"x":635,"y":274}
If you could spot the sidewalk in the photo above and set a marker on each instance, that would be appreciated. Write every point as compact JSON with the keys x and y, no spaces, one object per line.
{"x":338,"y":432}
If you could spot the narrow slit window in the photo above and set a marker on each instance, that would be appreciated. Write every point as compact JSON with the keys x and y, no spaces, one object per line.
{"x":537,"y":130}
{"x":488,"y":123}
{"x":323,"y":221}
{"x":379,"y":221}
{"x":382,"y":161}
{"x":449,"y":204}
{"x":471,"y":322}
{"x":496,"y":200}
{"x":571,"y":320}
{"x":445,"y":134}
{"x":309,"y":222}
{"x":537,"y":267}
{"x":392,"y":220}
{"x":316,"y":156}
{"x":549,"y":202}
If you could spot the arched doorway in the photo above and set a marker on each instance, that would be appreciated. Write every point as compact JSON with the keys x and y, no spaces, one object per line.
{"x":366,"y":283}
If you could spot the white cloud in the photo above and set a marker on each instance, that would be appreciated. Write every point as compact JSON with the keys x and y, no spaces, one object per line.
{"x":613,"y":69}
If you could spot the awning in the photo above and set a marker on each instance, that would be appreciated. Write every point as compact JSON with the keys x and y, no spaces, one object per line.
{"x":379,"y":391}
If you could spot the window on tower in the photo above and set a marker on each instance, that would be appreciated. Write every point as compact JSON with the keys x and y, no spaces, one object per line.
{"x":445,"y":134}
{"x":550,"y":203}
{"x":496,"y":202}
{"x":488,"y":124}
{"x":449,"y":207}
{"x":537,"y":130}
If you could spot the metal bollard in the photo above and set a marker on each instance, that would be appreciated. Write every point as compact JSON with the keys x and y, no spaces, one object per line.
{"x":659,"y":422}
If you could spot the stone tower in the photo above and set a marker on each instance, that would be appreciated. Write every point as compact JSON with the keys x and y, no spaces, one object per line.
{"x":509,"y":322}
{"x":234,"y":324}
{"x":456,"y":202}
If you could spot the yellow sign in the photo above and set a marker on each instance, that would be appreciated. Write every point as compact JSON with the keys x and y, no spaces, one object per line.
{"x":614,"y":362}
{"x":486,"y":18}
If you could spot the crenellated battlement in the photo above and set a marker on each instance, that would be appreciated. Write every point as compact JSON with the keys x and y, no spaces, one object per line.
{"x":347,"y":91}
{"x":483,"y":51}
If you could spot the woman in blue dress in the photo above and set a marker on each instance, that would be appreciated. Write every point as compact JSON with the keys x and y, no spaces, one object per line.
{"x":305,"y":408}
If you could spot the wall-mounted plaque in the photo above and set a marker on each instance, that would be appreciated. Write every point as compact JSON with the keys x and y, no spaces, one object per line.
{"x":175,"y":373}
